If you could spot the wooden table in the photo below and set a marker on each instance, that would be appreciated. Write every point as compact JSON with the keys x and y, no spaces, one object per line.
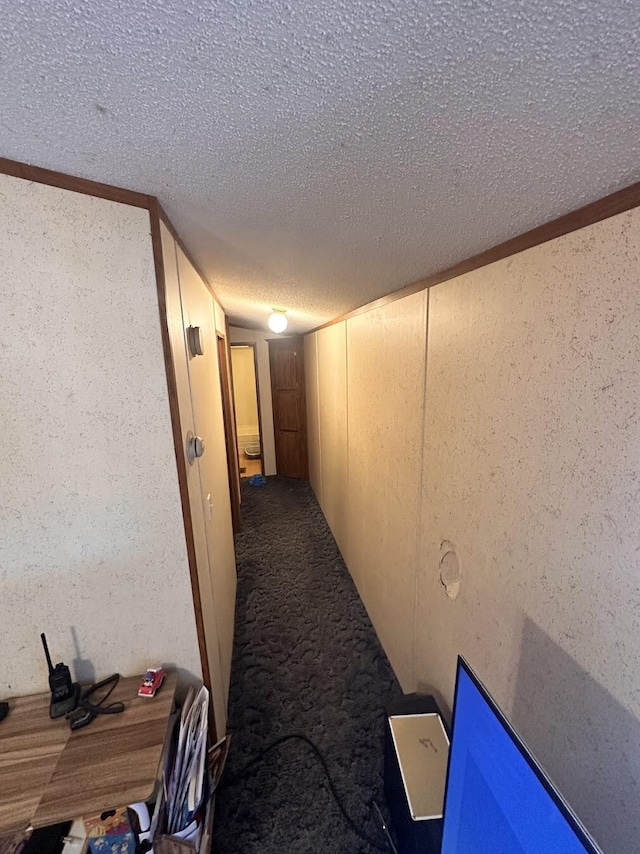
{"x":49,"y":774}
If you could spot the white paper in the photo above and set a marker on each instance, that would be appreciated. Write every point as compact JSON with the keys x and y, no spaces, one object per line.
{"x":184,"y":782}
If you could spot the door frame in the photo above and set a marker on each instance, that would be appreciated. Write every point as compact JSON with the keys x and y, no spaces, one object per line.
{"x":251,"y":344}
{"x":229,"y":418}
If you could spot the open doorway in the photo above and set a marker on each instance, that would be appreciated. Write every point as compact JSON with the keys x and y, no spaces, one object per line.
{"x":247,"y":400}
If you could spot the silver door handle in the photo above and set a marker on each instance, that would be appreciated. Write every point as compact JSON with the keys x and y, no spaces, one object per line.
{"x":195,"y":447}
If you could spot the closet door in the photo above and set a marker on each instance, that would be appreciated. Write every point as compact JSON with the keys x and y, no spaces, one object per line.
{"x":179,"y":351}
{"x":206,"y":402}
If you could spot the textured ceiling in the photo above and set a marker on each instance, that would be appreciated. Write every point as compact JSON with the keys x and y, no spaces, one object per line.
{"x":316,"y":155}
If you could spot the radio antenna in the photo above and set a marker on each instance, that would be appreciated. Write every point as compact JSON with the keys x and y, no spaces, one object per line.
{"x":46,"y":652}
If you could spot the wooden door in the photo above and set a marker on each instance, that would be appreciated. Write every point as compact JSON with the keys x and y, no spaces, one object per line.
{"x":286,"y":359}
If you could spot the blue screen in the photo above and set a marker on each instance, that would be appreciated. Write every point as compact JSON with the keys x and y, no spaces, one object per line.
{"x":497,"y":800}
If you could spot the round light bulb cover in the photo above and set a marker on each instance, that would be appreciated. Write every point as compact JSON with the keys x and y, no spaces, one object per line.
{"x":277,"y":321}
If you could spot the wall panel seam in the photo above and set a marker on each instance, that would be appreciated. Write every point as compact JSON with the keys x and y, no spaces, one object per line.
{"x":418,"y":563}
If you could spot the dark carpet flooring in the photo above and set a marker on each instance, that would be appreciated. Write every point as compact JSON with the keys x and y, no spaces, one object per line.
{"x":306,"y":659}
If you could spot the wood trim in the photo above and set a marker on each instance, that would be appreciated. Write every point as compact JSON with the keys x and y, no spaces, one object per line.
{"x":257,"y":375}
{"x":253,"y":346}
{"x":165,"y":219}
{"x":75,"y":184}
{"x":228,"y":415}
{"x":102,"y":191}
{"x":611,"y":205}
{"x":172,"y":388}
{"x":233,"y":420}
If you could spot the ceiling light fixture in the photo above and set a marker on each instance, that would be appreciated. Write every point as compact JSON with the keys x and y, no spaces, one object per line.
{"x":277,"y":320}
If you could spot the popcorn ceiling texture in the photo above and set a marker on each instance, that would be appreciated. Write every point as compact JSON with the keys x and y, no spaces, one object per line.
{"x":317,"y":155}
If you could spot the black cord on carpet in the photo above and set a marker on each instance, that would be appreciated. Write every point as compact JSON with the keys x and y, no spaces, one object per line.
{"x":229,"y":781}
{"x":306,"y":659}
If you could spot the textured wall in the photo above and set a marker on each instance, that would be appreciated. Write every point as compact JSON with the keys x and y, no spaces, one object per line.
{"x":313,"y":413}
{"x":526,"y":520}
{"x":91,"y":537}
{"x":532,"y":453}
{"x":332,"y":390}
{"x":385,"y":390}
{"x":240,"y":336}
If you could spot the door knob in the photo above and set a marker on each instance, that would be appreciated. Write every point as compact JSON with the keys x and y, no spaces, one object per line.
{"x":194,"y":337}
{"x":195,"y":447}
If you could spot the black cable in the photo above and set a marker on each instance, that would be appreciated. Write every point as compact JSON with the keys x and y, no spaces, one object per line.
{"x":86,"y":711}
{"x":229,"y":781}
{"x":112,"y":681}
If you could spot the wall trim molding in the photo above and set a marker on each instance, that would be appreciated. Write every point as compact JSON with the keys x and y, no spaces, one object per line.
{"x":604,"y":208}
{"x":64,"y":181}
{"x":73,"y":183}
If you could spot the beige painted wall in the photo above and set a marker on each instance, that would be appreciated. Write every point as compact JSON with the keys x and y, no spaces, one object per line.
{"x":385,"y":385}
{"x":244,"y":389}
{"x":313,"y":414}
{"x":239,"y":335}
{"x":529,"y":467}
{"x":91,"y":532}
{"x":533,"y":446}
{"x":332,"y":390}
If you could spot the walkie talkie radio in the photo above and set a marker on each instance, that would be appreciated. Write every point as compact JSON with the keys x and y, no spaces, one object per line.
{"x":64,"y":692}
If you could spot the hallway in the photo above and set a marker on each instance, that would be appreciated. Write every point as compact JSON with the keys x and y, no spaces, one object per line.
{"x":306,"y":660}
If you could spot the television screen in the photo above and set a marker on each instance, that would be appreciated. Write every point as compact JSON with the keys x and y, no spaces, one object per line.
{"x":497,"y":799}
